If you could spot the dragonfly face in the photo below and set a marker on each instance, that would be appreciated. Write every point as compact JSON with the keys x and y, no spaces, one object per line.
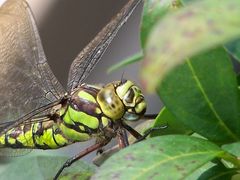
{"x":133,"y":100}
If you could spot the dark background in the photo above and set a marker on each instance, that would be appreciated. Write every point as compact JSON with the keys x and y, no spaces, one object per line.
{"x":68,"y":25}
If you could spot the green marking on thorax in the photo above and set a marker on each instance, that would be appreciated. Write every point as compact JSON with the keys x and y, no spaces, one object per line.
{"x":74,"y":135}
{"x":81,"y":117}
{"x":67,"y":118}
{"x":87,"y":96}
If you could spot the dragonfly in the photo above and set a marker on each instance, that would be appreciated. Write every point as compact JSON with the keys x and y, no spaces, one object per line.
{"x":36,"y":112}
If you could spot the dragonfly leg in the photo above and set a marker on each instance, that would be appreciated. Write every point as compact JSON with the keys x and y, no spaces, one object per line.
{"x":122,"y":138}
{"x":149,"y":116}
{"x":137,"y":135}
{"x":73,"y":159}
{"x":149,"y":131}
{"x":100,"y":151}
{"x":132,"y":131}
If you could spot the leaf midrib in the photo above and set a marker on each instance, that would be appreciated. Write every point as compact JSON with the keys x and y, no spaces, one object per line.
{"x":199,"y":85}
{"x":174,"y":158}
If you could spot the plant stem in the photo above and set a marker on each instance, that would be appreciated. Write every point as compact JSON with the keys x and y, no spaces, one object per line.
{"x":231,"y":158}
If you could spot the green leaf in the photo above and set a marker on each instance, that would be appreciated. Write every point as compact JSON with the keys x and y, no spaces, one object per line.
{"x":218,"y":172}
{"x":45,"y":167}
{"x":234,"y":49}
{"x":153,"y":11}
{"x":165,"y":117}
{"x":165,"y":157}
{"x":135,"y":58}
{"x":186,"y":32}
{"x":232,"y":148}
{"x":197,"y":173}
{"x":186,"y":2}
{"x":203,"y":94}
{"x":238,"y":80}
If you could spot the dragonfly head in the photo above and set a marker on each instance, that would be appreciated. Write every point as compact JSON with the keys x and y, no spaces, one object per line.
{"x":122,"y":99}
{"x":133,"y":100}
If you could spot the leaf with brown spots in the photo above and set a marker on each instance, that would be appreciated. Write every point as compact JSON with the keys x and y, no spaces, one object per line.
{"x":170,"y":156}
{"x":153,"y":11}
{"x":189,"y":31}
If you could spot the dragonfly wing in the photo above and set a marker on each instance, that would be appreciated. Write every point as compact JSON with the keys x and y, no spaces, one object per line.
{"x":26,"y":80}
{"x":92,"y":53}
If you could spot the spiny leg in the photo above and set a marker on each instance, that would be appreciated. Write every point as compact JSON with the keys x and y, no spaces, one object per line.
{"x":149,"y":131}
{"x":149,"y":116}
{"x":132,"y":131}
{"x":137,"y":135}
{"x":122,"y":138}
{"x":100,"y":151}
{"x":73,"y":159}
{"x":125,"y":137}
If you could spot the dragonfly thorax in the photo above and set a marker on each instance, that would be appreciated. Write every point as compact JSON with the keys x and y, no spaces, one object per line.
{"x":92,"y":110}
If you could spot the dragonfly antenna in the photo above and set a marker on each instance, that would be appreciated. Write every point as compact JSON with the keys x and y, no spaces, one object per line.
{"x":122,"y":77}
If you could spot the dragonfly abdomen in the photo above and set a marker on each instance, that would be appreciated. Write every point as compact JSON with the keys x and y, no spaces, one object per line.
{"x":39,"y":135}
{"x":80,"y":120}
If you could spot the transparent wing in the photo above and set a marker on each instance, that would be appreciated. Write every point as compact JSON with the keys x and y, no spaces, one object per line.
{"x":27,"y":85}
{"x":26,"y":80}
{"x":92,"y":53}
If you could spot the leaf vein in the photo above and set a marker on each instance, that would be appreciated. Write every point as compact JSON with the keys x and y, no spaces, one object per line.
{"x":220,"y":120}
{"x":172,"y":159}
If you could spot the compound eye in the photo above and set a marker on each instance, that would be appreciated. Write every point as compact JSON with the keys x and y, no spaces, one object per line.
{"x":129,"y":96}
{"x":139,"y":99}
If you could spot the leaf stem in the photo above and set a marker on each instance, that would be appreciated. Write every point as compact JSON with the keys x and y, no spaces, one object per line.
{"x":232,"y":159}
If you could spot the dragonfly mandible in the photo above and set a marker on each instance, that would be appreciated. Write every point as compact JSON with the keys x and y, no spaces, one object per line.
{"x":36,"y":112}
